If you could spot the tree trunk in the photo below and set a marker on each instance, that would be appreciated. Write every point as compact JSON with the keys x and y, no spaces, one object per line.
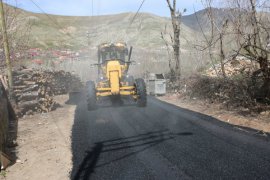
{"x":176,"y":22}
{"x":176,"y":44}
{"x":222,"y":57}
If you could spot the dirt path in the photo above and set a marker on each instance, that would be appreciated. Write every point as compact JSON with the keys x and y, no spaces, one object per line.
{"x":44,"y":145}
{"x":258,"y":122}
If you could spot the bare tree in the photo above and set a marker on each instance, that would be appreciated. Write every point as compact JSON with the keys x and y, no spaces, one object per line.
{"x":171,"y":67}
{"x":247,"y":23}
{"x":214,"y":40}
{"x":252,"y":31}
{"x":176,"y":24}
{"x":19,"y":29}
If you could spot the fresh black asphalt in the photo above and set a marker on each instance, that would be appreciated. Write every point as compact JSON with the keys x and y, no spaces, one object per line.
{"x":162,"y":141}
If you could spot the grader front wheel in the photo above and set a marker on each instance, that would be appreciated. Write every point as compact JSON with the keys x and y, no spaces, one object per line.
{"x":141,"y":92}
{"x":91,"y":95}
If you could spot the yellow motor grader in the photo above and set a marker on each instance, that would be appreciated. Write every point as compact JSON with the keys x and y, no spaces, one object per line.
{"x":113,"y":79}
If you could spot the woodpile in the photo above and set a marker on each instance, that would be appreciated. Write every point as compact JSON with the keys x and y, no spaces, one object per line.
{"x":34,"y":89}
{"x":238,"y":66}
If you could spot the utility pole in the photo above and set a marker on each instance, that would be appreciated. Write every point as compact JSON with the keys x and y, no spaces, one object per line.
{"x":92,"y":8}
{"x":6,"y":46}
{"x":88,"y":37}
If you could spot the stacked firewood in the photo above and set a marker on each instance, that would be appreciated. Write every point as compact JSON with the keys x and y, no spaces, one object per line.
{"x":34,"y":89}
{"x":239,"y":66}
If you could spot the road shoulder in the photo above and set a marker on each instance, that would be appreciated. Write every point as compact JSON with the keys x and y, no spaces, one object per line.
{"x":44,"y":144}
{"x":261,"y":123}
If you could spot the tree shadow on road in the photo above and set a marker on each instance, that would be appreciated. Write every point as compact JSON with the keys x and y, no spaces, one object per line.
{"x":136,"y":144}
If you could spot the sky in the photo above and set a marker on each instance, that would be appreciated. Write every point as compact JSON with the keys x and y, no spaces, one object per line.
{"x":103,"y":7}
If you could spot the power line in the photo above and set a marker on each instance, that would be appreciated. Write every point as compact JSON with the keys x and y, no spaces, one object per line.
{"x":49,"y":17}
{"x":98,"y":8}
{"x":56,"y":23}
{"x":134,"y":17}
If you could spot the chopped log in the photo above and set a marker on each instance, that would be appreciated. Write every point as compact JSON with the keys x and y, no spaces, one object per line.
{"x":29,"y":96}
{"x":31,"y":88}
{"x":4,"y":81}
{"x":18,"y":91}
{"x":27,"y":78}
{"x":28,"y":104}
{"x":30,"y":112}
{"x":27,"y":70}
{"x":42,"y":91}
{"x":22,"y":75}
{"x":20,"y":87}
{"x":29,"y":82}
{"x":18,"y":82}
{"x":17,"y":73}
{"x":44,"y":108}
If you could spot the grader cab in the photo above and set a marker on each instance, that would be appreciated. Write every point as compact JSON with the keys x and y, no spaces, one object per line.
{"x":113,"y":78}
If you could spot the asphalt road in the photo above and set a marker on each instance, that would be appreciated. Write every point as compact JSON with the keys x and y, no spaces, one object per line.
{"x":163,"y":141}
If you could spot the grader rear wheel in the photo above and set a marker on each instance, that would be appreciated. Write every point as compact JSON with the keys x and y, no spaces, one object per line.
{"x":141,"y":92}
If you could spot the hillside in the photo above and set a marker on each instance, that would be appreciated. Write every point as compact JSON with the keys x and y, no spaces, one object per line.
{"x":54,"y":32}
{"x":76,"y":32}
{"x":200,"y":18}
